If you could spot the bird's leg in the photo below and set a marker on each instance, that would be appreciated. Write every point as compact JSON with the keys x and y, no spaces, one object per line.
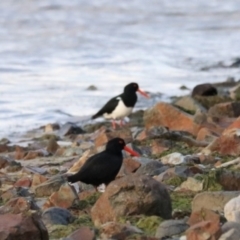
{"x":113,"y":124}
{"x":121,"y":123}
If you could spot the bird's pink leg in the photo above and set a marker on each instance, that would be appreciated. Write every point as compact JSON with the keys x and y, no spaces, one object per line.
{"x":113,"y":124}
{"x":121,"y":123}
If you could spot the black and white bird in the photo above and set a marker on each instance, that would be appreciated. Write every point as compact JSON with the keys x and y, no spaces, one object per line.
{"x":122,"y":105}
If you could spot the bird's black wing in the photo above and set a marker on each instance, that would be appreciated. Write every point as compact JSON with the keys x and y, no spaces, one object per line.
{"x":98,"y":167}
{"x":108,"y":107}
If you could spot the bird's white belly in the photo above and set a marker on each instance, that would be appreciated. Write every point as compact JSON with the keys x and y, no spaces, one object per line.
{"x":119,"y":112}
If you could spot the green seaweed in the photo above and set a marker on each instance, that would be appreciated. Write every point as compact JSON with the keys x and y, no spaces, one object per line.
{"x":175,"y":181}
{"x":181,"y":201}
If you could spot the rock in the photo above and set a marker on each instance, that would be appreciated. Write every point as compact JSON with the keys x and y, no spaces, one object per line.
{"x":64,"y":197}
{"x":51,"y":127}
{"x":56,"y":215}
{"x":92,"y":88}
{"x":33,"y":154}
{"x":189,"y":104}
{"x":38,"y":179}
{"x":228,"y":109}
{"x":3,"y":148}
{"x":229,"y":180}
{"x":52,"y":185}
{"x":104,"y":135}
{"x":152,"y":168}
{"x":235,"y":92}
{"x":232,"y":210}
{"x":173,"y":159}
{"x":227,"y":144}
{"x":19,"y":153}
{"x":114,"y":230}
{"x":214,"y":201}
{"x":18,"y":226}
{"x":203,"y":215}
{"x":158,"y":146}
{"x":205,"y":89}
{"x":10,"y":193}
{"x":4,"y":162}
{"x":130,"y":195}
{"x":78,"y":164}
{"x":23,"y":182}
{"x":171,"y":227}
{"x":129,"y":166}
{"x":70,"y":128}
{"x":84,"y":233}
{"x":206,"y":135}
{"x":204,"y":231}
{"x":230,"y":231}
{"x":235,"y":124}
{"x":192,"y":184}
{"x":52,"y":146}
{"x":164,"y":114}
{"x":16,"y":205}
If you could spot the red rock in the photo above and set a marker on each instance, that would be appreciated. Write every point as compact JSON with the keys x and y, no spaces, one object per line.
{"x":38,"y":179}
{"x":19,"y":153}
{"x":227,"y":109}
{"x":115,"y":230}
{"x":205,"y":230}
{"x":203,"y":215}
{"x":205,"y":134}
{"x":3,"y":148}
{"x":143,"y":135}
{"x":129,"y":166}
{"x":235,"y":124}
{"x":104,"y":135}
{"x":9,"y":194}
{"x":23,"y":182}
{"x":159,"y":146}
{"x":15,"y":206}
{"x":20,"y":227}
{"x":52,"y":146}
{"x":84,"y":233}
{"x":60,"y":151}
{"x":164,"y":114}
{"x":121,"y":198}
{"x":33,"y":154}
{"x":3,"y":162}
{"x":64,"y":197}
{"x":228,"y":143}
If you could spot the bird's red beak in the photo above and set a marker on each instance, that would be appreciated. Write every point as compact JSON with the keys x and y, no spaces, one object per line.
{"x":127,"y":149}
{"x":143,"y":93}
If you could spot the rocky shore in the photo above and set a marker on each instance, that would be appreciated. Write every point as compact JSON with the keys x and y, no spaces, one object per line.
{"x":185,"y":185}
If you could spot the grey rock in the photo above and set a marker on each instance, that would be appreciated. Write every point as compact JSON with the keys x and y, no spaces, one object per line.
{"x":230,"y":231}
{"x":205,"y":89}
{"x":57,"y":215}
{"x":213,"y":200}
{"x":70,"y":128}
{"x":152,"y":168}
{"x":171,"y":227}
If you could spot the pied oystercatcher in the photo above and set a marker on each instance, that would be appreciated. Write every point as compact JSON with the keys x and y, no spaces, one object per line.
{"x":122,"y":105}
{"x":104,"y":166}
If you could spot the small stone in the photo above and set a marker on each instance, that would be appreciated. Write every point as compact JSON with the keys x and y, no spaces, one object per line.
{"x":38,"y":179}
{"x":205,"y":89}
{"x":16,"y":205}
{"x":23,"y":182}
{"x":115,"y":230}
{"x":152,"y":168}
{"x":203,"y":215}
{"x":230,"y":231}
{"x":57,"y":215}
{"x":171,"y":227}
{"x":192,"y":184}
{"x":214,"y":201}
{"x":19,"y":153}
{"x":52,"y":185}
{"x":228,"y":109}
{"x":84,"y":233}
{"x":4,"y":162}
{"x":64,"y":197}
{"x":70,"y":128}
{"x":18,"y":226}
{"x":51,"y":127}
{"x":33,"y":154}
{"x":159,"y":146}
{"x":173,"y":159}
{"x":91,"y":88}
{"x":52,"y":146}
{"x":232,"y":210}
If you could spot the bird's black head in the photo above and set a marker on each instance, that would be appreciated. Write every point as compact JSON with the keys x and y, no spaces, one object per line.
{"x":131,"y":87}
{"x":115,"y":144}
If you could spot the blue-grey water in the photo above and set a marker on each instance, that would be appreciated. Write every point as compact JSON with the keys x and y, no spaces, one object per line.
{"x":51,"y":51}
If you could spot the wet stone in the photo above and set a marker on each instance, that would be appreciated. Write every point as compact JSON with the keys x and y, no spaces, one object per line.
{"x":57,"y":215}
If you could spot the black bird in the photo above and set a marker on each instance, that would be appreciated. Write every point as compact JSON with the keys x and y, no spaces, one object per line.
{"x":122,"y":105}
{"x":104,"y":166}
